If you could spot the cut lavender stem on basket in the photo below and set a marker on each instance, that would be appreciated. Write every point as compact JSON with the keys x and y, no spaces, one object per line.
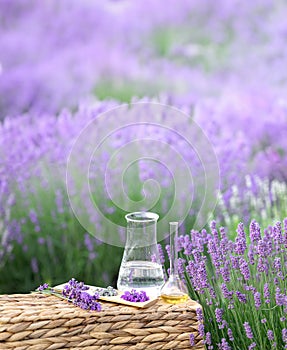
{"x":74,"y":292}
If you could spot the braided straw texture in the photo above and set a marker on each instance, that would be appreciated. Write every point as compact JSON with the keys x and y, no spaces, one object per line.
{"x":40,"y":322}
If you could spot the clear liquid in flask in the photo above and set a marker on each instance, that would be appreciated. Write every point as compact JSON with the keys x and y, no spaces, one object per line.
{"x":141,"y":275}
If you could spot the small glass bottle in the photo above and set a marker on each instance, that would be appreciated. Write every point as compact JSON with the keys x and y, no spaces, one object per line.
{"x":141,"y":268}
{"x":174,"y":290}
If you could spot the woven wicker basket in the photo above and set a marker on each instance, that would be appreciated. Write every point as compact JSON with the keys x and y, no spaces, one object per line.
{"x":39,"y":322}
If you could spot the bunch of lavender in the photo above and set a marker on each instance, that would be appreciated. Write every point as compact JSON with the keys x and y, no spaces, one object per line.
{"x":241,"y":285}
{"x":134,"y":296}
{"x":75,"y":292}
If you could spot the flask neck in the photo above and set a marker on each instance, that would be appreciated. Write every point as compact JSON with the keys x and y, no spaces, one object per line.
{"x":173,"y":248}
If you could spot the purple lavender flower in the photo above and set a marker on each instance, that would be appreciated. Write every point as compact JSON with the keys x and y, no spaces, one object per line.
{"x":191,"y":339}
{"x":262,"y":265}
{"x":279,"y":297}
{"x":201,"y":330}
{"x":249,"y":288}
{"x":218,"y":315}
{"x":167,"y":248}
{"x":199,"y":314}
{"x":230,"y":334}
{"x":214,"y":253}
{"x":92,"y":256}
{"x":33,"y":216}
{"x":196,"y":256}
{"x":223,"y":325}
{"x":257,"y":300}
{"x":240,"y":243}
{"x":223,"y":235}
{"x":255,"y":234}
{"x":234,"y":262}
{"x":224,"y":243}
{"x":285,"y":231}
{"x":186,"y":245}
{"x":270,"y":334}
{"x":88,"y":242}
{"x":134,"y":296}
{"x":43,"y":287}
{"x":252,"y":346}
{"x":248,"y":330}
{"x":244,"y":268}
{"x":75,"y":292}
{"x":34,"y":265}
{"x":86,"y":301}
{"x":198,"y":275}
{"x":251,"y":257}
{"x":215,"y":234}
{"x":198,"y":240}
{"x":191,"y":268}
{"x":225,"y":345}
{"x":268,"y":245}
{"x":277,"y":264}
{"x":241,"y":297}
{"x":231,"y":305}
{"x":262,"y":249}
{"x":225,"y":272}
{"x":266,"y":291}
{"x":181,"y":267}
{"x":41,"y":240}
{"x":212,"y":293}
{"x":277,"y":233}
{"x":161,"y":254}
{"x":213,"y":225}
{"x":209,"y":302}
{"x":284,"y":335}
{"x":208,"y":339}
{"x":226,"y":293}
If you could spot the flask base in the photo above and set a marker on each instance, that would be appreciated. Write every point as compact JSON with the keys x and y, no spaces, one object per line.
{"x":174,"y":299}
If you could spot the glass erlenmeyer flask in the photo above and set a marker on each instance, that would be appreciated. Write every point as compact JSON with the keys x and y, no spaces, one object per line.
{"x":141,"y":268}
{"x":174,"y":290}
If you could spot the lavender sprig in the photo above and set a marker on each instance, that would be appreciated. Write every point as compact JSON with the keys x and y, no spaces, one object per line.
{"x":43,"y":287}
{"x":74,"y":292}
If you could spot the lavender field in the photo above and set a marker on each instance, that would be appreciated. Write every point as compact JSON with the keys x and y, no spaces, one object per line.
{"x":64,"y":63}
